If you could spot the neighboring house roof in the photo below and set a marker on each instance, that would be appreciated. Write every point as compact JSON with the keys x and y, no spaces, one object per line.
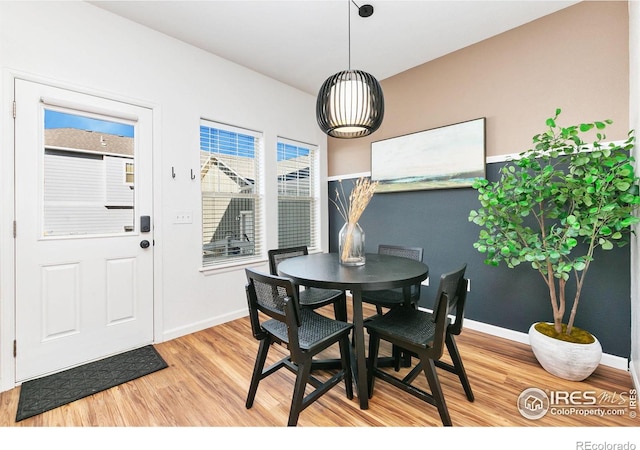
{"x":238,"y":168}
{"x":293,"y":165}
{"x":92,"y":141}
{"x":216,"y":160}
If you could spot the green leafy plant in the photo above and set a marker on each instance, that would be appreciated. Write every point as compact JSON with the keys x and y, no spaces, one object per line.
{"x":556,"y":204}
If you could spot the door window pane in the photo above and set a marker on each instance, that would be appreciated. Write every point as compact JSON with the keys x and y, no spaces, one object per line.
{"x":85,"y":190}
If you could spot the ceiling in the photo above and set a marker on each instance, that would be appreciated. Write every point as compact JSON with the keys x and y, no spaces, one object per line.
{"x":303,"y":42}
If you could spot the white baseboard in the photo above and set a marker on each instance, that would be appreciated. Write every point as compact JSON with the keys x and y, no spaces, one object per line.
{"x":617,"y":362}
{"x":202,"y":325}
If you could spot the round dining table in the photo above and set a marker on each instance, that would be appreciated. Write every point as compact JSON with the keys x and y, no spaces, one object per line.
{"x":380,"y":272}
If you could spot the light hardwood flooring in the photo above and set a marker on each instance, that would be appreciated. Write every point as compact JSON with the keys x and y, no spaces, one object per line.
{"x":206,"y":383}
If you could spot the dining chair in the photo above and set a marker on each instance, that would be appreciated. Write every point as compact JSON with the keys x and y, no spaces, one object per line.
{"x":390,"y":298}
{"x":310,"y":297}
{"x":424,"y":334}
{"x":276,"y":317}
{"x":454,"y":328}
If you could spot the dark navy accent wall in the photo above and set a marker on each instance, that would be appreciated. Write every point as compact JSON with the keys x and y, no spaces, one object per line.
{"x":509,"y":298}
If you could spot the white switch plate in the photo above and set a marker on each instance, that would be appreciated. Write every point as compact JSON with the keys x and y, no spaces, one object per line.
{"x":425,"y":282}
{"x":183,"y":217}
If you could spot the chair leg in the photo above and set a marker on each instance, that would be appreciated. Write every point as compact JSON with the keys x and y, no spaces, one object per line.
{"x":340,"y":308}
{"x":372,"y":363}
{"x":401,"y":358}
{"x":436,"y":390}
{"x":459,"y":367}
{"x":397,"y":356}
{"x":261,"y":358}
{"x":302,"y":377}
{"x":345,"y":356}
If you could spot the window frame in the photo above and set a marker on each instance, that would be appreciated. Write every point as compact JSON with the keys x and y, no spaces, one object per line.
{"x":313,"y":197}
{"x":246,"y":253}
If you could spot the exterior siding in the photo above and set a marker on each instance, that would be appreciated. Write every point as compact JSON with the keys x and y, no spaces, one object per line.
{"x":84,"y":195}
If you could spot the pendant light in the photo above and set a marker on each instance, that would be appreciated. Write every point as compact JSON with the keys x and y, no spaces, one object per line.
{"x":350,"y":103}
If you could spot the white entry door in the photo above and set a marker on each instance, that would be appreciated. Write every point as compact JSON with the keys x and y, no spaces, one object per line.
{"x":83,"y":231}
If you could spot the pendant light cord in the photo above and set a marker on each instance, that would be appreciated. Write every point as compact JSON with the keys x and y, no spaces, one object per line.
{"x":364,"y":11}
{"x":349,"y":30}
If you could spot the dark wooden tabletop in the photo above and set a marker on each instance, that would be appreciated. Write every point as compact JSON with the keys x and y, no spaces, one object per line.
{"x":323,"y":270}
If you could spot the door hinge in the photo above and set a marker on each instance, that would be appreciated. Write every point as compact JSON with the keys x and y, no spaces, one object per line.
{"x":14,"y":229}
{"x":14,"y":109}
{"x":15,"y":348}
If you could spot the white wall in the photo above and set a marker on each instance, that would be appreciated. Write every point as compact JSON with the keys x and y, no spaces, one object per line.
{"x":634,"y":124}
{"x":78,"y":46}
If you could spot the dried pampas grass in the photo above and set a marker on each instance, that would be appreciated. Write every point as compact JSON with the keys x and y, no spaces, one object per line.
{"x":363,"y":190}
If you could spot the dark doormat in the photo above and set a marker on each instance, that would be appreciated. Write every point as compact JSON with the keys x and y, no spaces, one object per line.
{"x":44,"y":394}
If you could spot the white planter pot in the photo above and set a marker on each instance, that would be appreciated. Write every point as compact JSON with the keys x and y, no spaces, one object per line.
{"x":563,"y":359}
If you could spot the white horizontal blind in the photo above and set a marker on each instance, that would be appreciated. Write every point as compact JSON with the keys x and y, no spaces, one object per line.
{"x":298,"y":213}
{"x":231,"y":203}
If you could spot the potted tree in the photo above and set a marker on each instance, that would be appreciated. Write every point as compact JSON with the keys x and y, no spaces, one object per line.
{"x":552,"y":208}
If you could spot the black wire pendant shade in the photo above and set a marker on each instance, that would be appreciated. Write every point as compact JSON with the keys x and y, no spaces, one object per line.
{"x":350,"y":103}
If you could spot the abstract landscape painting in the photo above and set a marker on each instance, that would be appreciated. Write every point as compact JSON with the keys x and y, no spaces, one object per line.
{"x":447,"y":157}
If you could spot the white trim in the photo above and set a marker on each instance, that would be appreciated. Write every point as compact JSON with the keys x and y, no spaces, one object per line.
{"x":118,"y":115}
{"x":502,"y":158}
{"x":204,"y":324}
{"x":349,"y":176}
{"x":493,"y":330}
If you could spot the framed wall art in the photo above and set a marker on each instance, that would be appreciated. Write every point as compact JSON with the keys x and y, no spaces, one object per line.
{"x":440,"y":158}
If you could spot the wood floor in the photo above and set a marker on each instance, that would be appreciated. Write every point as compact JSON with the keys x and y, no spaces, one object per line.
{"x":206,"y":383}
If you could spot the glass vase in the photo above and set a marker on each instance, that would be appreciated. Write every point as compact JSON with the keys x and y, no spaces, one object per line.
{"x":351,"y":244}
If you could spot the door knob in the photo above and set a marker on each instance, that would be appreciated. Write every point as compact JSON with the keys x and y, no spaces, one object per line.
{"x":144,"y":244}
